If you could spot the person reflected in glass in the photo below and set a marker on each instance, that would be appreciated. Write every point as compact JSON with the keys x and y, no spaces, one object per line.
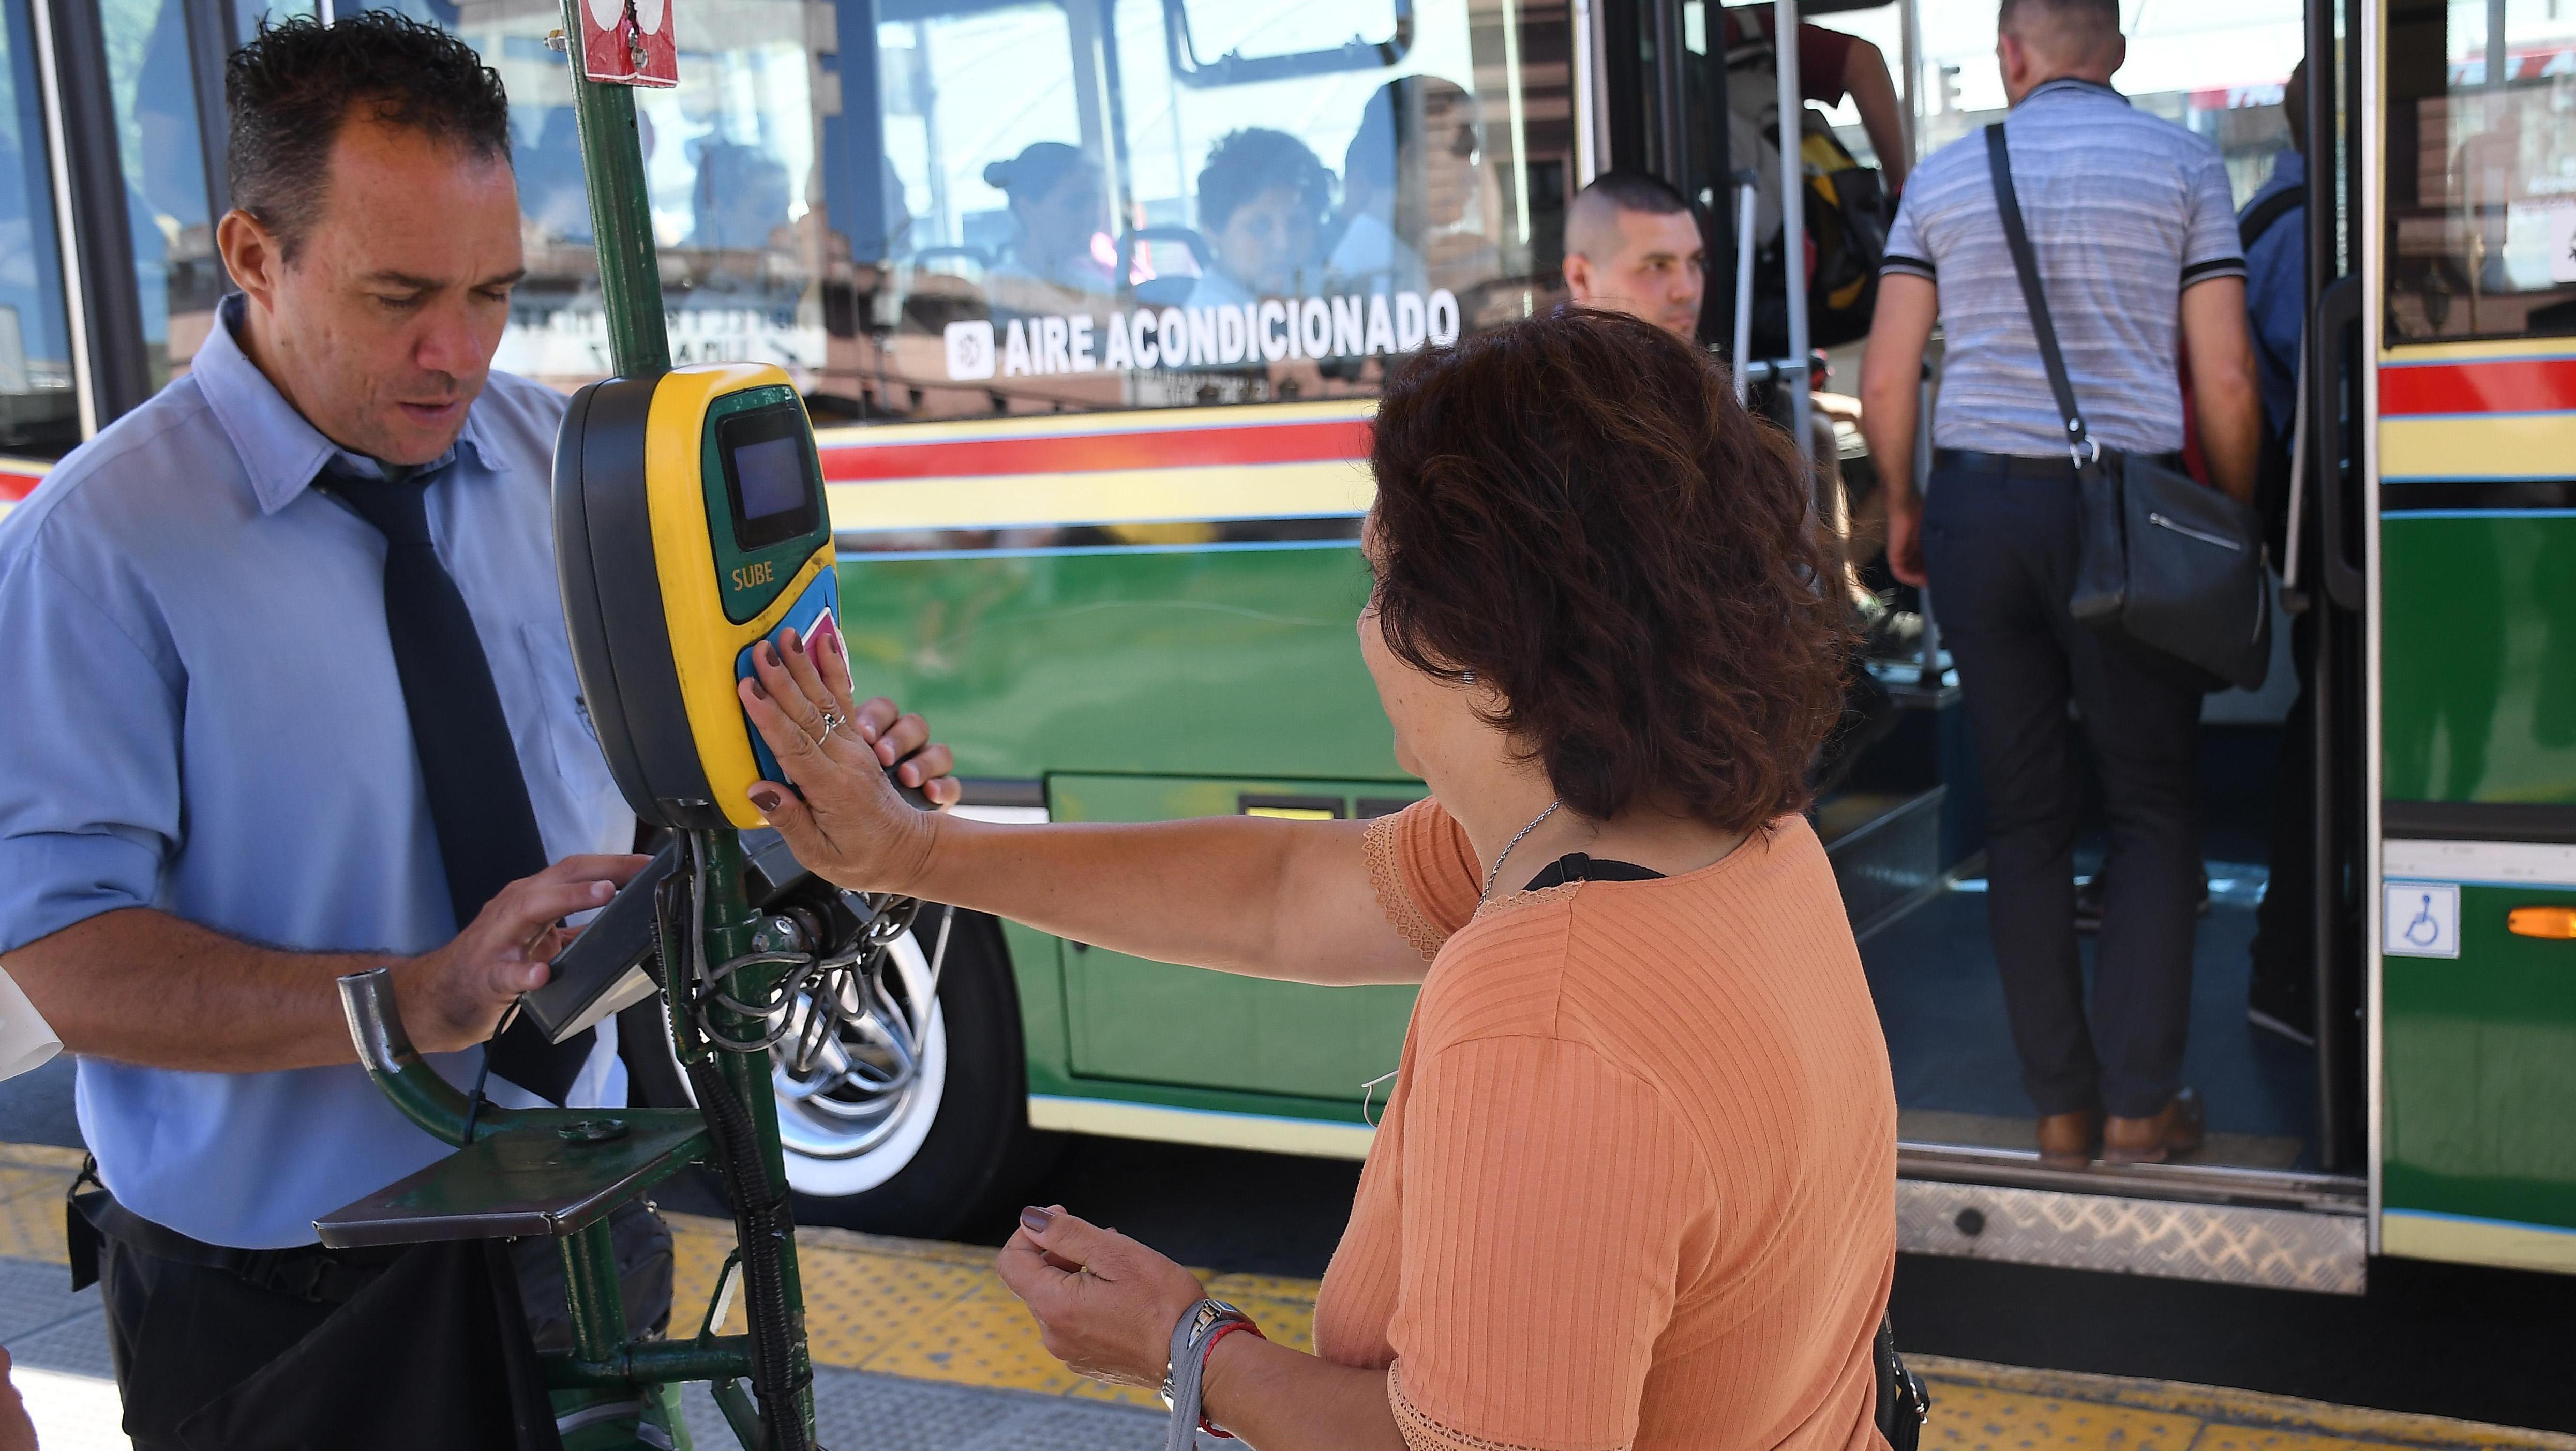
{"x":1062,"y":253}
{"x":1633,"y":1184}
{"x":741,"y":198}
{"x":1262,"y":200}
{"x":1410,"y":171}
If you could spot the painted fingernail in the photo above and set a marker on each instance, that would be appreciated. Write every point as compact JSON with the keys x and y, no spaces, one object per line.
{"x":759,"y":689}
{"x":769,"y":653}
{"x":794,"y":645}
{"x":765,"y":799}
{"x":1035,"y":1220}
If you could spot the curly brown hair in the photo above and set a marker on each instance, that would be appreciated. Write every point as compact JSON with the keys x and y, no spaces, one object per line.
{"x":1574,"y":509}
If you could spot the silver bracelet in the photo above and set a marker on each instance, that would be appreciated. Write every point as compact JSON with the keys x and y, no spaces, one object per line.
{"x":1181,"y":1388}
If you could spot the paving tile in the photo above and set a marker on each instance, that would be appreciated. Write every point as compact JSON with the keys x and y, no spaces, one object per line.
{"x":987,"y":1338}
{"x":35,"y":1294}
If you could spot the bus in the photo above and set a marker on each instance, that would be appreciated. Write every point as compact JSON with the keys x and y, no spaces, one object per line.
{"x":1091,"y":299}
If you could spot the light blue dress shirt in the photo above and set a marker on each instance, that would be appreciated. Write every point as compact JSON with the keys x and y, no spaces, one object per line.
{"x":203,"y":717}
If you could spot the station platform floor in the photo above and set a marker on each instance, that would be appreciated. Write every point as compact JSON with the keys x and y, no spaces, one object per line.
{"x":918,"y":1345}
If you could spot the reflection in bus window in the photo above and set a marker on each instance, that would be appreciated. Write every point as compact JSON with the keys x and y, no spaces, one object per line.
{"x":165,"y":178}
{"x":944,"y":207}
{"x":1182,"y":202}
{"x":2482,"y":171}
{"x":38,"y":410}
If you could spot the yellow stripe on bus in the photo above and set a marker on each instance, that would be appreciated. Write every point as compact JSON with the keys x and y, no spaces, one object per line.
{"x":2476,"y":1241}
{"x":1062,"y":425}
{"x":1129,"y":496}
{"x":2492,"y":350}
{"x":2497,"y":446}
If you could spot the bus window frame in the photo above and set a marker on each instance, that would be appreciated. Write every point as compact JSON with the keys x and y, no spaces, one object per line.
{"x":1236,"y":69}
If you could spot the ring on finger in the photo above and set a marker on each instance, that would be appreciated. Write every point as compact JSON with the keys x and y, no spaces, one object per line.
{"x":832,"y":721}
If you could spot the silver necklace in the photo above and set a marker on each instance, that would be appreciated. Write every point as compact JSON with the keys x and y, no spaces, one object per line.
{"x":1515,"y":841}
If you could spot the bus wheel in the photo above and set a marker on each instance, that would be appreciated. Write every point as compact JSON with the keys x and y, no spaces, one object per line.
{"x":913,"y":1120}
{"x":903,"y":1122}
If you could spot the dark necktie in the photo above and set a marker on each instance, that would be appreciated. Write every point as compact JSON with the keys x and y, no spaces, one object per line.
{"x":478,"y":800}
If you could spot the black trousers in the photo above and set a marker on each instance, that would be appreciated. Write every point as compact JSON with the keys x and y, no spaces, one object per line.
{"x":2000,"y":547}
{"x":181,"y":1336}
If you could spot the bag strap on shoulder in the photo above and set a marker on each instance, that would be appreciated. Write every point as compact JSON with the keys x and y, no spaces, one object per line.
{"x":2079,"y":445}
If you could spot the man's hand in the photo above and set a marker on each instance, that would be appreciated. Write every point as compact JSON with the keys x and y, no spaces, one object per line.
{"x":453,"y":997}
{"x":1105,"y":1305}
{"x":849,"y":827}
{"x":1905,"y":537}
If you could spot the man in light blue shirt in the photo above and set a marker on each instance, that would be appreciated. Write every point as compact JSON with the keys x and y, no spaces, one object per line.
{"x":212,"y":800}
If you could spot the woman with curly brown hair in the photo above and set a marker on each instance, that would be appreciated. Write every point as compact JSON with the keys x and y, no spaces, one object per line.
{"x":1634,"y":1186}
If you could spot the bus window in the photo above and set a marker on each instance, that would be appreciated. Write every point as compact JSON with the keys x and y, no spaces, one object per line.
{"x":730,"y":161}
{"x":175,"y":269}
{"x":38,"y":410}
{"x":2481,"y":164}
{"x":1184,"y":202}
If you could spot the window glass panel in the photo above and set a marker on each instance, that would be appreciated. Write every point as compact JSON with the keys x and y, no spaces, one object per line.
{"x":2481,"y":169}
{"x":1173,"y":201}
{"x":38,"y":410}
{"x":165,"y":178}
{"x":970,"y":207}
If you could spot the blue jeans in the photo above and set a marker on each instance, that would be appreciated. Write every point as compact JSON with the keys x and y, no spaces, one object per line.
{"x":2000,"y":547}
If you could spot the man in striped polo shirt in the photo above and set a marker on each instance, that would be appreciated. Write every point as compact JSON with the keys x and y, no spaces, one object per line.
{"x":2136,"y":239}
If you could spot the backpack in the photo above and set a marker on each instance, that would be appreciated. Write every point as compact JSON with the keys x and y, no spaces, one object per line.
{"x":1844,"y":204}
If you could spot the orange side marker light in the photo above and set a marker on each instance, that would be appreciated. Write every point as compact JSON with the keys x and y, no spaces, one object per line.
{"x":2556,"y":923}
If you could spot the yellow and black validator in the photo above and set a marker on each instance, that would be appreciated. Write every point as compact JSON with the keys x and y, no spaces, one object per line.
{"x":689,"y":527}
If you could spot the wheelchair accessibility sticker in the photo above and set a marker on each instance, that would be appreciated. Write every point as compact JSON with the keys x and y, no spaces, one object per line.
{"x":2420,"y":919}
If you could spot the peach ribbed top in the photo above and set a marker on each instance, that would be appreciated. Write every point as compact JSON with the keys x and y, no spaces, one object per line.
{"x":1635,"y":1186}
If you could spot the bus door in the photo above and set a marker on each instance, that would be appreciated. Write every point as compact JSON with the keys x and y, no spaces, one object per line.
{"x":2470,"y":331}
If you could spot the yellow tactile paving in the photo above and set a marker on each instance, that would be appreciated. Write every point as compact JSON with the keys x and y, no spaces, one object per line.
{"x":1966,"y":1416}
{"x":938,"y":1312}
{"x":32,"y":1180}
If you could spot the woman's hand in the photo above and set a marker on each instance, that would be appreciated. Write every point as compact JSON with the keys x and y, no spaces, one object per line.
{"x":850,"y":827}
{"x":1105,"y":1304}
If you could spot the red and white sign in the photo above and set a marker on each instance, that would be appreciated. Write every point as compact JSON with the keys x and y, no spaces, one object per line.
{"x":629,"y":43}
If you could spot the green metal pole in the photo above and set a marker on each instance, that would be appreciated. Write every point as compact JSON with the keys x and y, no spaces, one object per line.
{"x":621,"y":216}
{"x":729,"y":928}
{"x":630,"y":284}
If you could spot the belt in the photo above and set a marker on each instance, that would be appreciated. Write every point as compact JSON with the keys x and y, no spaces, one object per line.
{"x":305,"y":1272}
{"x":2010,"y":465}
{"x":2024,"y":466}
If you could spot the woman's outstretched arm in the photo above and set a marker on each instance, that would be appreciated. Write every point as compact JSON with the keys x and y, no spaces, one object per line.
{"x":1261,"y":897}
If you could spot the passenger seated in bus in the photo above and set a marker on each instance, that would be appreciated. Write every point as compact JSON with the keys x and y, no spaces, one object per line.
{"x":1632,"y":245}
{"x":1410,"y":170}
{"x":1262,"y":199}
{"x":1634,"y":1181}
{"x":1062,"y":258}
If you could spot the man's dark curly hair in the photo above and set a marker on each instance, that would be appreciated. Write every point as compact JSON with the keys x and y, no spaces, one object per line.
{"x":1573,"y":508}
{"x":290,"y":90}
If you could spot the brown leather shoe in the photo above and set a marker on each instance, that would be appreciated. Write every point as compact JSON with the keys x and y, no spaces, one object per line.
{"x":2069,"y":1140}
{"x":2178,"y":1129}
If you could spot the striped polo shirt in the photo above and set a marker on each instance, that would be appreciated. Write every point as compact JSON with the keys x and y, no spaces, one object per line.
{"x":2125,"y":211}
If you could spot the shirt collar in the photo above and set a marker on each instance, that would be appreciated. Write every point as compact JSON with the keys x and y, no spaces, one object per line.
{"x":2072,"y":85}
{"x":2289,"y":168}
{"x":281,"y":451}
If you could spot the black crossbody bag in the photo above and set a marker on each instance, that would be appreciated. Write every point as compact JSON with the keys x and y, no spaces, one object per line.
{"x":2161,"y":560}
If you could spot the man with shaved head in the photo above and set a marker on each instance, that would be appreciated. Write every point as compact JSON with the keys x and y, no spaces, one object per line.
{"x":1632,"y":245}
{"x":2134,"y":229}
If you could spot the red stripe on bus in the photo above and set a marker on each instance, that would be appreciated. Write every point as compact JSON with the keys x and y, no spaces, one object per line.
{"x":2534,"y":385}
{"x":15,"y":486}
{"x":1273,"y":443}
